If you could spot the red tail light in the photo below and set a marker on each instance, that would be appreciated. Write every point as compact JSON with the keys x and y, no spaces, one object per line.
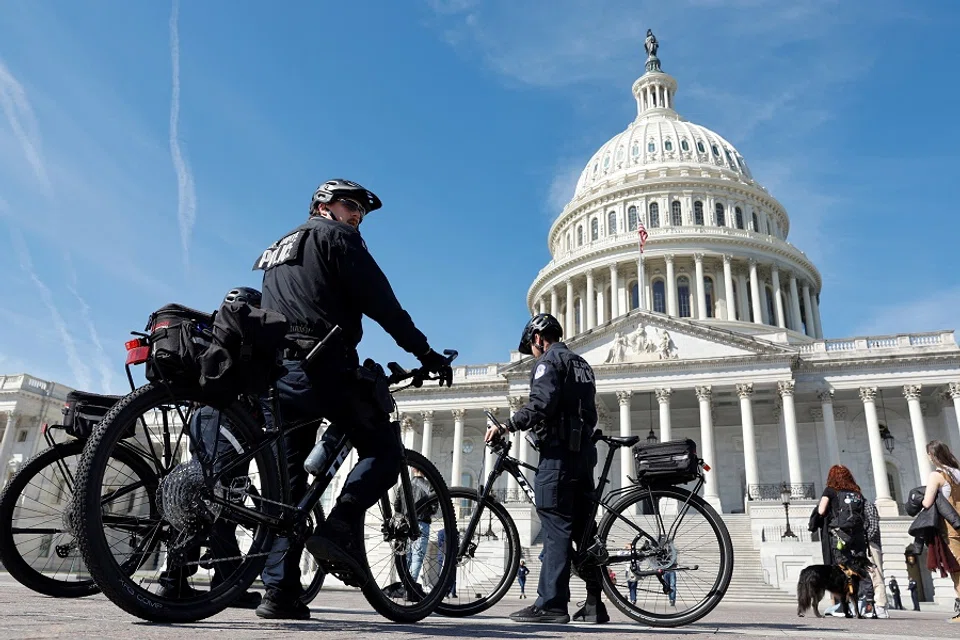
{"x":137,"y":351}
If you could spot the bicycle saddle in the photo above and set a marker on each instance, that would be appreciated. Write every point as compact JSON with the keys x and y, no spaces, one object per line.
{"x":621,"y":441}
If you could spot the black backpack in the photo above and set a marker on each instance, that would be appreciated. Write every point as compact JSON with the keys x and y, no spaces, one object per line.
{"x":848,"y":514}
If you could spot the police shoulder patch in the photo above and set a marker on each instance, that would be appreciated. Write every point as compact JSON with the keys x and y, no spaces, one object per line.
{"x":541,"y":369}
{"x":287,"y":249}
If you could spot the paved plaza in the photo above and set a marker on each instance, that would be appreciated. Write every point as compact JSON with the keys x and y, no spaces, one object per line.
{"x":345,"y":614}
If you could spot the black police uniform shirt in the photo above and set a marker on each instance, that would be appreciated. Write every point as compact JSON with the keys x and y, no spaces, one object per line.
{"x":321,"y":275}
{"x":561,"y":384}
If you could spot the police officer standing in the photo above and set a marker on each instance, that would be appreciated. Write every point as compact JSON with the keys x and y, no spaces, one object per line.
{"x":320,"y":275}
{"x":563,"y":413}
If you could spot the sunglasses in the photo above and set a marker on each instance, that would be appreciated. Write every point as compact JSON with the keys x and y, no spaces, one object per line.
{"x":353,"y":206}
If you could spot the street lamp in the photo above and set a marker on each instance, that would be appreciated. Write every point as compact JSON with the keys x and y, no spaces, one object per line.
{"x":889,"y":442}
{"x":785,"y":492}
{"x":651,"y":437}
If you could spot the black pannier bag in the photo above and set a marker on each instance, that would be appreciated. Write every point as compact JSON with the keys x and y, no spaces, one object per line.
{"x":244,"y":355}
{"x":83,"y":411}
{"x":178,"y":336}
{"x":667,"y":463}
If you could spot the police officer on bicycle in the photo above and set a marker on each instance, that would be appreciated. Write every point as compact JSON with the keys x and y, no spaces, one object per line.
{"x":563,"y":413}
{"x":320,"y":275}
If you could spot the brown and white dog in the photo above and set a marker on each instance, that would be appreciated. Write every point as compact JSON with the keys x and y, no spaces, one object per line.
{"x":843,"y":581}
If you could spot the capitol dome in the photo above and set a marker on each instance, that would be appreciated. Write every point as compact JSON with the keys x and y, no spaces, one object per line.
{"x":717,"y":249}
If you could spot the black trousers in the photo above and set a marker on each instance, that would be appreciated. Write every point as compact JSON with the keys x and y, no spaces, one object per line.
{"x":562,"y":479}
{"x":350,"y":406}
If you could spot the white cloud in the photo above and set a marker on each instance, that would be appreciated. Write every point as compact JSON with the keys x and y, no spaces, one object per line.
{"x":928,"y":311}
{"x":20,"y":117}
{"x":102,"y":361}
{"x":562,"y":187}
{"x":187,"y":196}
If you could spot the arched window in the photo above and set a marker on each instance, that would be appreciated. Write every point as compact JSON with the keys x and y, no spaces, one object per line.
{"x":606,"y":161}
{"x":611,"y":223}
{"x":708,"y":294}
{"x":676,"y":214}
{"x":733,"y":307}
{"x":659,"y":296}
{"x":577,"y":312}
{"x":721,"y":218}
{"x":698,"y":213}
{"x":733,"y":165}
{"x":771,"y":312}
{"x":667,"y":145}
{"x":654,"y":215}
{"x":634,"y":296}
{"x":749,"y":304}
{"x":683,"y":296}
{"x":579,"y":235}
{"x":738,"y":216}
{"x":568,"y":242}
{"x":596,"y":166}
{"x":632,"y":219}
{"x":636,"y":149}
{"x":684,"y":145}
{"x":715,"y":150}
{"x":594,"y":229}
{"x":803,"y":316}
{"x":756,"y":222}
{"x":651,"y":147}
{"x":700,"y":147}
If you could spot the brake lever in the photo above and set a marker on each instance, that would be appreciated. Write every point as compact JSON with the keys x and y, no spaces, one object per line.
{"x":397,"y":371}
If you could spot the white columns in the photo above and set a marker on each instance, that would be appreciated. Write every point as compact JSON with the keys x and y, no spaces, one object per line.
{"x":663,"y":398}
{"x":426,"y":447}
{"x":406,"y":430}
{"x":728,"y":289}
{"x":795,"y":304}
{"x":885,"y":505}
{"x":829,"y":426}
{"x":816,"y":316}
{"x":554,"y":303}
{"x":785,"y":388}
{"x":591,"y":306}
{"x":671,"y":287}
{"x":755,"y":293}
{"x":455,"y":465}
{"x":742,"y":306}
{"x":808,"y":307}
{"x":569,"y":327}
{"x":601,"y":306}
{"x":912,"y":393}
{"x":516,"y":402}
{"x":953,"y":390}
{"x":6,"y":446}
{"x":751,"y":469}
{"x":487,"y":455}
{"x":626,"y":453}
{"x":707,"y":449}
{"x":701,"y":294}
{"x":777,"y":297}
{"x":614,"y":298}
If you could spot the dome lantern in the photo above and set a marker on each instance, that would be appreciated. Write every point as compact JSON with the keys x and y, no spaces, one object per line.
{"x":654,"y":90}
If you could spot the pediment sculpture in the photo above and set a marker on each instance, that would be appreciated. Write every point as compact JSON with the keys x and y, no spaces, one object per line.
{"x":643,"y":344}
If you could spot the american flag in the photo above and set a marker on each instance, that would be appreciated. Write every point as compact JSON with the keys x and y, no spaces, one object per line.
{"x":643,"y":235}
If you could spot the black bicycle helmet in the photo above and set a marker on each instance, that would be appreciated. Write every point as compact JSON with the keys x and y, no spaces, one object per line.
{"x":538,"y":324}
{"x":244,"y":294}
{"x":340,"y":188}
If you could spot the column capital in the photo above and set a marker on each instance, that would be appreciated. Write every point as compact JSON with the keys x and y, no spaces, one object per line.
{"x":588,"y":272}
{"x":623,"y":398}
{"x":669,"y":258}
{"x":698,"y":257}
{"x":427,"y":415}
{"x":663,"y":394}
{"x":774,"y":268}
{"x":516,"y":402}
{"x":727,"y":258}
{"x":406,"y":421}
{"x":868,"y":394}
{"x":494,"y":410}
{"x":458,"y":414}
{"x":953,"y":390}
{"x":745,"y":390}
{"x":825,"y":395}
{"x":752,"y":262}
{"x":786,"y":387}
{"x":704,"y":392}
{"x":912,"y":391}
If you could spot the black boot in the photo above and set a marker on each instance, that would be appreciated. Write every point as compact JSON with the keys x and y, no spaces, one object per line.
{"x":277,"y":606}
{"x":533,"y":613}
{"x":339,"y":548}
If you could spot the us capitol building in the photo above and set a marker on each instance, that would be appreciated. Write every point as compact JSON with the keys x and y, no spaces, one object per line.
{"x":715,"y":336}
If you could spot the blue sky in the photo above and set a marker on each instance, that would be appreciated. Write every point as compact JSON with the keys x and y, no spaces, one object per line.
{"x":148,"y":157}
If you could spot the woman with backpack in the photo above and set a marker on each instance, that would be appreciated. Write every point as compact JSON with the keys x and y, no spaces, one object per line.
{"x":842,"y":506}
{"x":945,"y":479}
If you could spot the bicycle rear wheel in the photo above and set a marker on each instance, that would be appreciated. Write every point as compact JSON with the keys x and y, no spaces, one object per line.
{"x":488,"y":567}
{"x":663,"y":531}
{"x":392,"y":589}
{"x":204,"y":500}
{"x":312,"y":574}
{"x":37,"y":543}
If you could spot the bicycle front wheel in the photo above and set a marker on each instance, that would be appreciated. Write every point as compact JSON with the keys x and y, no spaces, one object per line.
{"x":312,"y":574}
{"x":676,"y":550}
{"x":411,"y":571}
{"x":490,"y":560}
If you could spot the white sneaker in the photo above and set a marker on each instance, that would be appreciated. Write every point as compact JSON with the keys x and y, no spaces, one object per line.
{"x":882,"y":612}
{"x":837,"y":614}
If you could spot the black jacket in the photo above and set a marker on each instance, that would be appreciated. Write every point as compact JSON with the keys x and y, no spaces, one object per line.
{"x":321,"y":274}
{"x":927,"y":522}
{"x":562,"y":389}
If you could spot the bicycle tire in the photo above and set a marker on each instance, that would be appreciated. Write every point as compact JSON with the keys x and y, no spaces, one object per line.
{"x":460,"y":609}
{"x":311,"y":591}
{"x":124,"y":590}
{"x":420,"y":609}
{"x":10,"y":553}
{"x":717,"y":590}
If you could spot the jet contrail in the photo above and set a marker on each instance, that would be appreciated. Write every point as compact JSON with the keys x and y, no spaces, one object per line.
{"x":186,"y":194}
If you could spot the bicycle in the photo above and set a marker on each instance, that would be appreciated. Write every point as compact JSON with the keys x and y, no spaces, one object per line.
{"x":653,"y":550}
{"x":245,"y":492}
{"x":38,"y":546}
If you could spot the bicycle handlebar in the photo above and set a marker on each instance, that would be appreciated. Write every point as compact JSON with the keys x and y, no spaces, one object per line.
{"x":420,"y":374}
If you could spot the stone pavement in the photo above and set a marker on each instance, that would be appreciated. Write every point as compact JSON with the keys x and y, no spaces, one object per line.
{"x":345,"y":614}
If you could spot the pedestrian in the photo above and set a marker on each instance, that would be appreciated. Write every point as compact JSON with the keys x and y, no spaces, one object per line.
{"x":842,"y":505}
{"x":562,"y":411}
{"x":631,"y":573}
{"x":895,"y":592}
{"x":945,"y":478}
{"x":441,"y":540}
{"x":914,"y":594}
{"x":522,"y":579}
{"x":875,"y":551}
